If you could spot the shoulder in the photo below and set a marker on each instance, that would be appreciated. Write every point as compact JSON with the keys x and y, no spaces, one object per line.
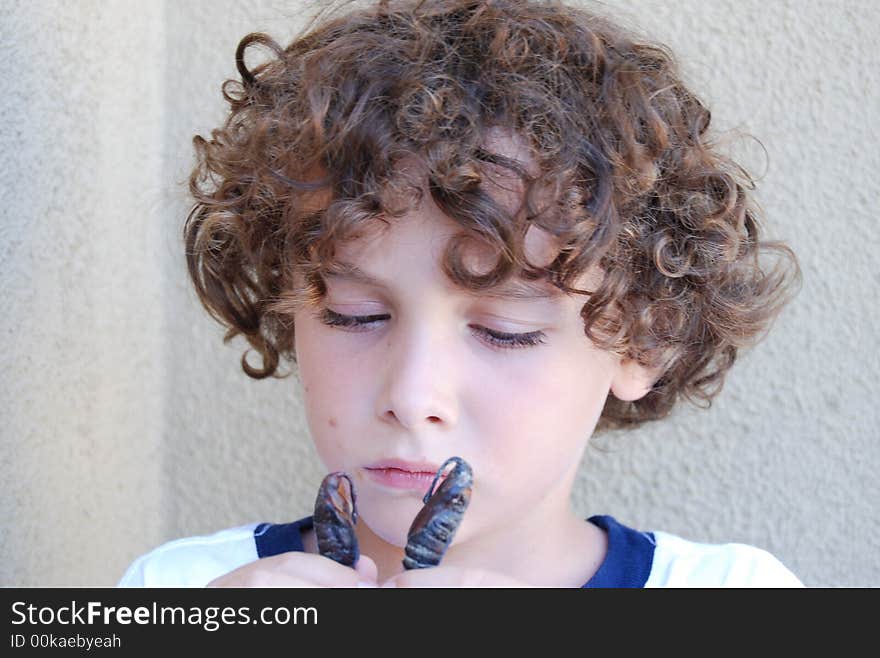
{"x":193,"y":561}
{"x":682,"y":563}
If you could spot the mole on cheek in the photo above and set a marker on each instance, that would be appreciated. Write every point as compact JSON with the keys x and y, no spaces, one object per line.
{"x":332,"y":422}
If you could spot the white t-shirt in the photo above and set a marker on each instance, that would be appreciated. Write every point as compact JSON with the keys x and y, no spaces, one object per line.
{"x":634,"y":559}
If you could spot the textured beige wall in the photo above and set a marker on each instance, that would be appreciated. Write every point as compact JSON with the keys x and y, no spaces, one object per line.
{"x":126,"y":422}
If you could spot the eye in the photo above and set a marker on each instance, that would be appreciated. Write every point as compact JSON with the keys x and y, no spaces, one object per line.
{"x":496,"y":339}
{"x":507,"y":341}
{"x":354,"y":322}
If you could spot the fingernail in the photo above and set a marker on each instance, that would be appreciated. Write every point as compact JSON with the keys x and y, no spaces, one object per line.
{"x":364,"y":583}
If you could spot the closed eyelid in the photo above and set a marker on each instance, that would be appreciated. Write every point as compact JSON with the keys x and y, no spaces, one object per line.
{"x":499,"y":339}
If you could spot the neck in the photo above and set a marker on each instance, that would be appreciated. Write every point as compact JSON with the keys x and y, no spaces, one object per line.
{"x":388,"y":557}
{"x":547,"y":546}
{"x":542,"y":549}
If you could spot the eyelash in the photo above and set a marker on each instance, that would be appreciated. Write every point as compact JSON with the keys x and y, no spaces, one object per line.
{"x":497,"y":339}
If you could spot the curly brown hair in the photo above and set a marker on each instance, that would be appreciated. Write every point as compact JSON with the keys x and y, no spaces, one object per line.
{"x":307,"y":158}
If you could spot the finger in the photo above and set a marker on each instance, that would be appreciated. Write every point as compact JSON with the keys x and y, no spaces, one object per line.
{"x":261,"y":580}
{"x":314,"y":570}
{"x":430,"y":577}
{"x":368,"y":572}
{"x":452,"y":577}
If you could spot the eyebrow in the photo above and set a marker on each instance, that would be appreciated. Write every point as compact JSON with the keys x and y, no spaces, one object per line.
{"x":511,"y":289}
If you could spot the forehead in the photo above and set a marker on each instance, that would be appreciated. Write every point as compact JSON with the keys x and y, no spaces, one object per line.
{"x":401,"y":251}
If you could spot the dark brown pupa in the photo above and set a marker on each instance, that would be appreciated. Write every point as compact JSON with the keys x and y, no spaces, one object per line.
{"x":433,"y":528}
{"x":335,"y":518}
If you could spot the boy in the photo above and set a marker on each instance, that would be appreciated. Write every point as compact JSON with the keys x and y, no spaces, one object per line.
{"x":484,"y":229}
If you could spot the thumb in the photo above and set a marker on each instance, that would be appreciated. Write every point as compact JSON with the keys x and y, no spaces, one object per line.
{"x":367,"y":570}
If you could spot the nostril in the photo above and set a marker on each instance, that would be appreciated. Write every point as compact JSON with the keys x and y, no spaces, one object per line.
{"x":434,"y":419}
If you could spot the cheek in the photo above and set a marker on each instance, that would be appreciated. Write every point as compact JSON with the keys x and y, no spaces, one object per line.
{"x":558,"y":393}
{"x":329,"y":394}
{"x":545,"y":416}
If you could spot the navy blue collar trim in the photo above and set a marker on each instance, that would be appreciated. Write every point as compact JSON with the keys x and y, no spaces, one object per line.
{"x":627,"y":563}
{"x":274,"y":538}
{"x":629,"y":558}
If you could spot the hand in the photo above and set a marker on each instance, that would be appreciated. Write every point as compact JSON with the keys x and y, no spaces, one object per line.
{"x":441,"y":576}
{"x":297,"y":569}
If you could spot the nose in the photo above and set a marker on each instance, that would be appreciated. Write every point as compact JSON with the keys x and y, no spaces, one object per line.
{"x":419,"y":379}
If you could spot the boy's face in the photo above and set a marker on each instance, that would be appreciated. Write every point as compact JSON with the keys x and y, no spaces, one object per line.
{"x":424,"y":381}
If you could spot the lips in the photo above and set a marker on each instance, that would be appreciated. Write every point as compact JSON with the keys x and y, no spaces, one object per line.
{"x":401,"y":474}
{"x":403,"y":465}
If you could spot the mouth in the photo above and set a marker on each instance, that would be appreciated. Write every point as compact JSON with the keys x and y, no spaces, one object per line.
{"x":400,"y":474}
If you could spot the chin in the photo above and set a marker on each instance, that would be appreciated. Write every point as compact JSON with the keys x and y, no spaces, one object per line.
{"x":391,"y":523}
{"x":391,"y":534}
